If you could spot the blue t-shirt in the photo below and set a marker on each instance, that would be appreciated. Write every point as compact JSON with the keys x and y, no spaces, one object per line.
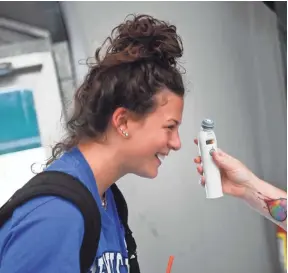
{"x":45,"y":234}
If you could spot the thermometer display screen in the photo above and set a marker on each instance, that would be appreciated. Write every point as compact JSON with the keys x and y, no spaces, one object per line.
{"x":209,"y":141}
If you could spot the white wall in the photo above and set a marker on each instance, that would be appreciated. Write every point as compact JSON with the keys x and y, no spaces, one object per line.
{"x":234,"y":77}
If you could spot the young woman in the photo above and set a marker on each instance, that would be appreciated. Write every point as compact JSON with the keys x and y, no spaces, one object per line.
{"x":126,"y":118}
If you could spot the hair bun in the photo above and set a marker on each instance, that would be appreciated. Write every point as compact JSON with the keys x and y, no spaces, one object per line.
{"x":144,"y":37}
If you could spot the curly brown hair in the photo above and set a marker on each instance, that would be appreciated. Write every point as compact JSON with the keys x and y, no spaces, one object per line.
{"x":139,"y":61}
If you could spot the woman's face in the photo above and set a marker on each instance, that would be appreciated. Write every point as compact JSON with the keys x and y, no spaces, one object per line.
{"x":152,"y":138}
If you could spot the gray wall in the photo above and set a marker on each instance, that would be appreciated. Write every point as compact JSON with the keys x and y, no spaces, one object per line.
{"x":234,"y":76}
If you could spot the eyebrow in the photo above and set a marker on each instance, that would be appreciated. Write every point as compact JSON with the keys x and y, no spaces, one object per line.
{"x":176,"y":121}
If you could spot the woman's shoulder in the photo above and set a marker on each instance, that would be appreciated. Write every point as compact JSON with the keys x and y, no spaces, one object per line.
{"x":41,"y":230}
{"x":48,"y":209}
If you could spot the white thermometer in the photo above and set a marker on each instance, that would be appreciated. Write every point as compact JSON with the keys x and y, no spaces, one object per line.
{"x":207,"y":144}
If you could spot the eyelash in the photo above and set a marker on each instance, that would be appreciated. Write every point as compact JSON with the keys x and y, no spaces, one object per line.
{"x":171,"y":127}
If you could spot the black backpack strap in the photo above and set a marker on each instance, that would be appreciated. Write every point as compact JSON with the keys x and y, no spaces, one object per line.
{"x":53,"y":183}
{"x":130,"y":241}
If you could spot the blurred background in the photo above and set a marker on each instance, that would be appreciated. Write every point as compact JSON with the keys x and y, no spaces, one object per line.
{"x":235,"y":58}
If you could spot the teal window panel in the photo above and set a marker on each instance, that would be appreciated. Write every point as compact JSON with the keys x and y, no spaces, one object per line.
{"x":18,"y":122}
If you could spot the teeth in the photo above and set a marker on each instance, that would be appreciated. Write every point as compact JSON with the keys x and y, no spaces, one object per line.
{"x":160,"y":157}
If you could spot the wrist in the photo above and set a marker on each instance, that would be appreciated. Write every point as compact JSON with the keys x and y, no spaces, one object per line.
{"x":251,"y":186}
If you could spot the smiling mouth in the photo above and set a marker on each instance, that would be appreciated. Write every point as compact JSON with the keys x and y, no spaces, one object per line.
{"x":160,"y":157}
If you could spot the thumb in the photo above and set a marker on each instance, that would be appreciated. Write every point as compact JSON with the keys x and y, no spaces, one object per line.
{"x":222,"y":160}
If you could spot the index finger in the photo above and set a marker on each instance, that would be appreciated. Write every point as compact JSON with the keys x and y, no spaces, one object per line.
{"x":196,"y":141}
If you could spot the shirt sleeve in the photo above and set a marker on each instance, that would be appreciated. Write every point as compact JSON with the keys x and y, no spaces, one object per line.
{"x":47,"y":239}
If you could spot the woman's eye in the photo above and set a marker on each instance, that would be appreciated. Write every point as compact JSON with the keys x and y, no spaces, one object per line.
{"x":171,"y":127}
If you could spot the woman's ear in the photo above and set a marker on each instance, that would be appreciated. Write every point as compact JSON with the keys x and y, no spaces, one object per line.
{"x":120,"y":121}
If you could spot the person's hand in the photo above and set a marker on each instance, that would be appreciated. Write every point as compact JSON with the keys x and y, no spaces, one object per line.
{"x":235,"y":176}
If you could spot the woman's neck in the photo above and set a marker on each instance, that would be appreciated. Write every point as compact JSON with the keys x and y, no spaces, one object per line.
{"x":104,"y":163}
